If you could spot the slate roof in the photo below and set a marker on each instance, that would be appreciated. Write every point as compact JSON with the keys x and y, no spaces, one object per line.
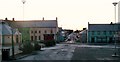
{"x":5,"y":29}
{"x":102,"y":27}
{"x":34,"y":23}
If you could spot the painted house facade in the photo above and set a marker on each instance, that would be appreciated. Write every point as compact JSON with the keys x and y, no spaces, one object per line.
{"x":36,"y":30}
{"x":6,"y":34}
{"x":101,"y":33}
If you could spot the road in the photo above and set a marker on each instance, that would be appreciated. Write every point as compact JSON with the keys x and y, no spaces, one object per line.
{"x":59,"y":52}
{"x":75,"y":52}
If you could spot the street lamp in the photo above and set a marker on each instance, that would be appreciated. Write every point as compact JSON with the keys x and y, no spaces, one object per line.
{"x":23,"y":1}
{"x":115,"y":54}
{"x":13,"y":56}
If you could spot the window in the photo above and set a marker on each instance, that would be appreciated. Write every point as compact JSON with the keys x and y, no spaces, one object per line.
{"x":32,"y":38}
{"x":35,"y":37}
{"x":110,"y":32}
{"x":31,"y":31}
{"x":35,"y":31}
{"x":104,"y":32}
{"x":39,"y":37}
{"x":51,"y":31}
{"x":45,"y":31}
{"x":39,"y":31}
{"x":98,"y":32}
{"x":92,"y":32}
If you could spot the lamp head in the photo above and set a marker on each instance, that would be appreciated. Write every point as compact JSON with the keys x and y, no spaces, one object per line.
{"x":114,"y":3}
{"x":23,"y":1}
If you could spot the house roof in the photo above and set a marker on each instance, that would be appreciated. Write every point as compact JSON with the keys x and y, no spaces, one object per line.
{"x":5,"y":29}
{"x":34,"y":23}
{"x":102,"y":27}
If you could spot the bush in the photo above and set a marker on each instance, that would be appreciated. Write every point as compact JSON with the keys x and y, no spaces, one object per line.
{"x":26,"y":47}
{"x":50,"y":43}
{"x":37,"y":46}
{"x":77,"y":40}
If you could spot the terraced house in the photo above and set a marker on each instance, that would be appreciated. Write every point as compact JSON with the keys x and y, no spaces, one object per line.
{"x":36,"y":30}
{"x":102,"y":33}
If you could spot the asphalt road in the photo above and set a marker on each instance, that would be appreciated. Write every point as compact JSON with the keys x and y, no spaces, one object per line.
{"x":73,"y":52}
{"x":88,"y":53}
{"x":58,"y":52}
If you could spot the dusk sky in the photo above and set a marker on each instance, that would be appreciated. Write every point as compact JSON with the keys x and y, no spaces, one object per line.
{"x":72,"y":14}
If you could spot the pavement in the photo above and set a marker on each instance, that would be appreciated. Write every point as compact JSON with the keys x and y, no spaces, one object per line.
{"x":16,"y":50}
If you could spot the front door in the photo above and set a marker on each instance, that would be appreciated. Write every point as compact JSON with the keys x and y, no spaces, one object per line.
{"x":92,"y":40}
{"x":48,"y":36}
{"x":110,"y":40}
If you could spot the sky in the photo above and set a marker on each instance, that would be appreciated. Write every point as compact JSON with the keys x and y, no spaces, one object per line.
{"x":72,"y":14}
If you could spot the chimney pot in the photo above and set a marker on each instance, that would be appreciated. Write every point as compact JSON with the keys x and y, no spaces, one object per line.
{"x":6,"y":19}
{"x":13,"y":19}
{"x":43,"y":18}
{"x":56,"y":18}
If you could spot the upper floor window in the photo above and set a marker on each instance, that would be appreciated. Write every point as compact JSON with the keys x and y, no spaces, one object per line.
{"x":51,"y":31}
{"x":39,"y":31}
{"x":45,"y":31}
{"x":35,"y":31}
{"x":31,"y":31}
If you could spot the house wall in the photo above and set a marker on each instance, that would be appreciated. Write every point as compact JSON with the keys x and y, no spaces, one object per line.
{"x":40,"y":32}
{"x":8,"y":39}
{"x":0,"y":39}
{"x":100,"y":36}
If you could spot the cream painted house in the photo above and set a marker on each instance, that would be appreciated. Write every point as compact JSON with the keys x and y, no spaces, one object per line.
{"x":35,"y":30}
{"x":6,"y":34}
{"x":38,"y":33}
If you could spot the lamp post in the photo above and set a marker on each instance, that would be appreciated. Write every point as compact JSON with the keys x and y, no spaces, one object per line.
{"x":23,"y":1}
{"x":13,"y":56}
{"x":115,"y":54}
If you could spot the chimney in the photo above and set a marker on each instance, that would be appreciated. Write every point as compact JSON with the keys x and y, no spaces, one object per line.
{"x":56,"y":18}
{"x":111,"y":23}
{"x":6,"y":19}
{"x":84,"y":28}
{"x":13,"y":19}
{"x":43,"y":18}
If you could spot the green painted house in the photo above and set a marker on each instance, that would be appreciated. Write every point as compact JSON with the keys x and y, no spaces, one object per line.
{"x":25,"y":33}
{"x":101,"y":33}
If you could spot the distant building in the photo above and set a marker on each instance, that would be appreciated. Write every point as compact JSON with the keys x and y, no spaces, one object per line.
{"x":67,"y":32}
{"x":118,"y":32}
{"x":83,"y":36}
{"x":60,"y":37}
{"x":6,"y":34}
{"x":36,"y":30}
{"x":102,"y":33}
